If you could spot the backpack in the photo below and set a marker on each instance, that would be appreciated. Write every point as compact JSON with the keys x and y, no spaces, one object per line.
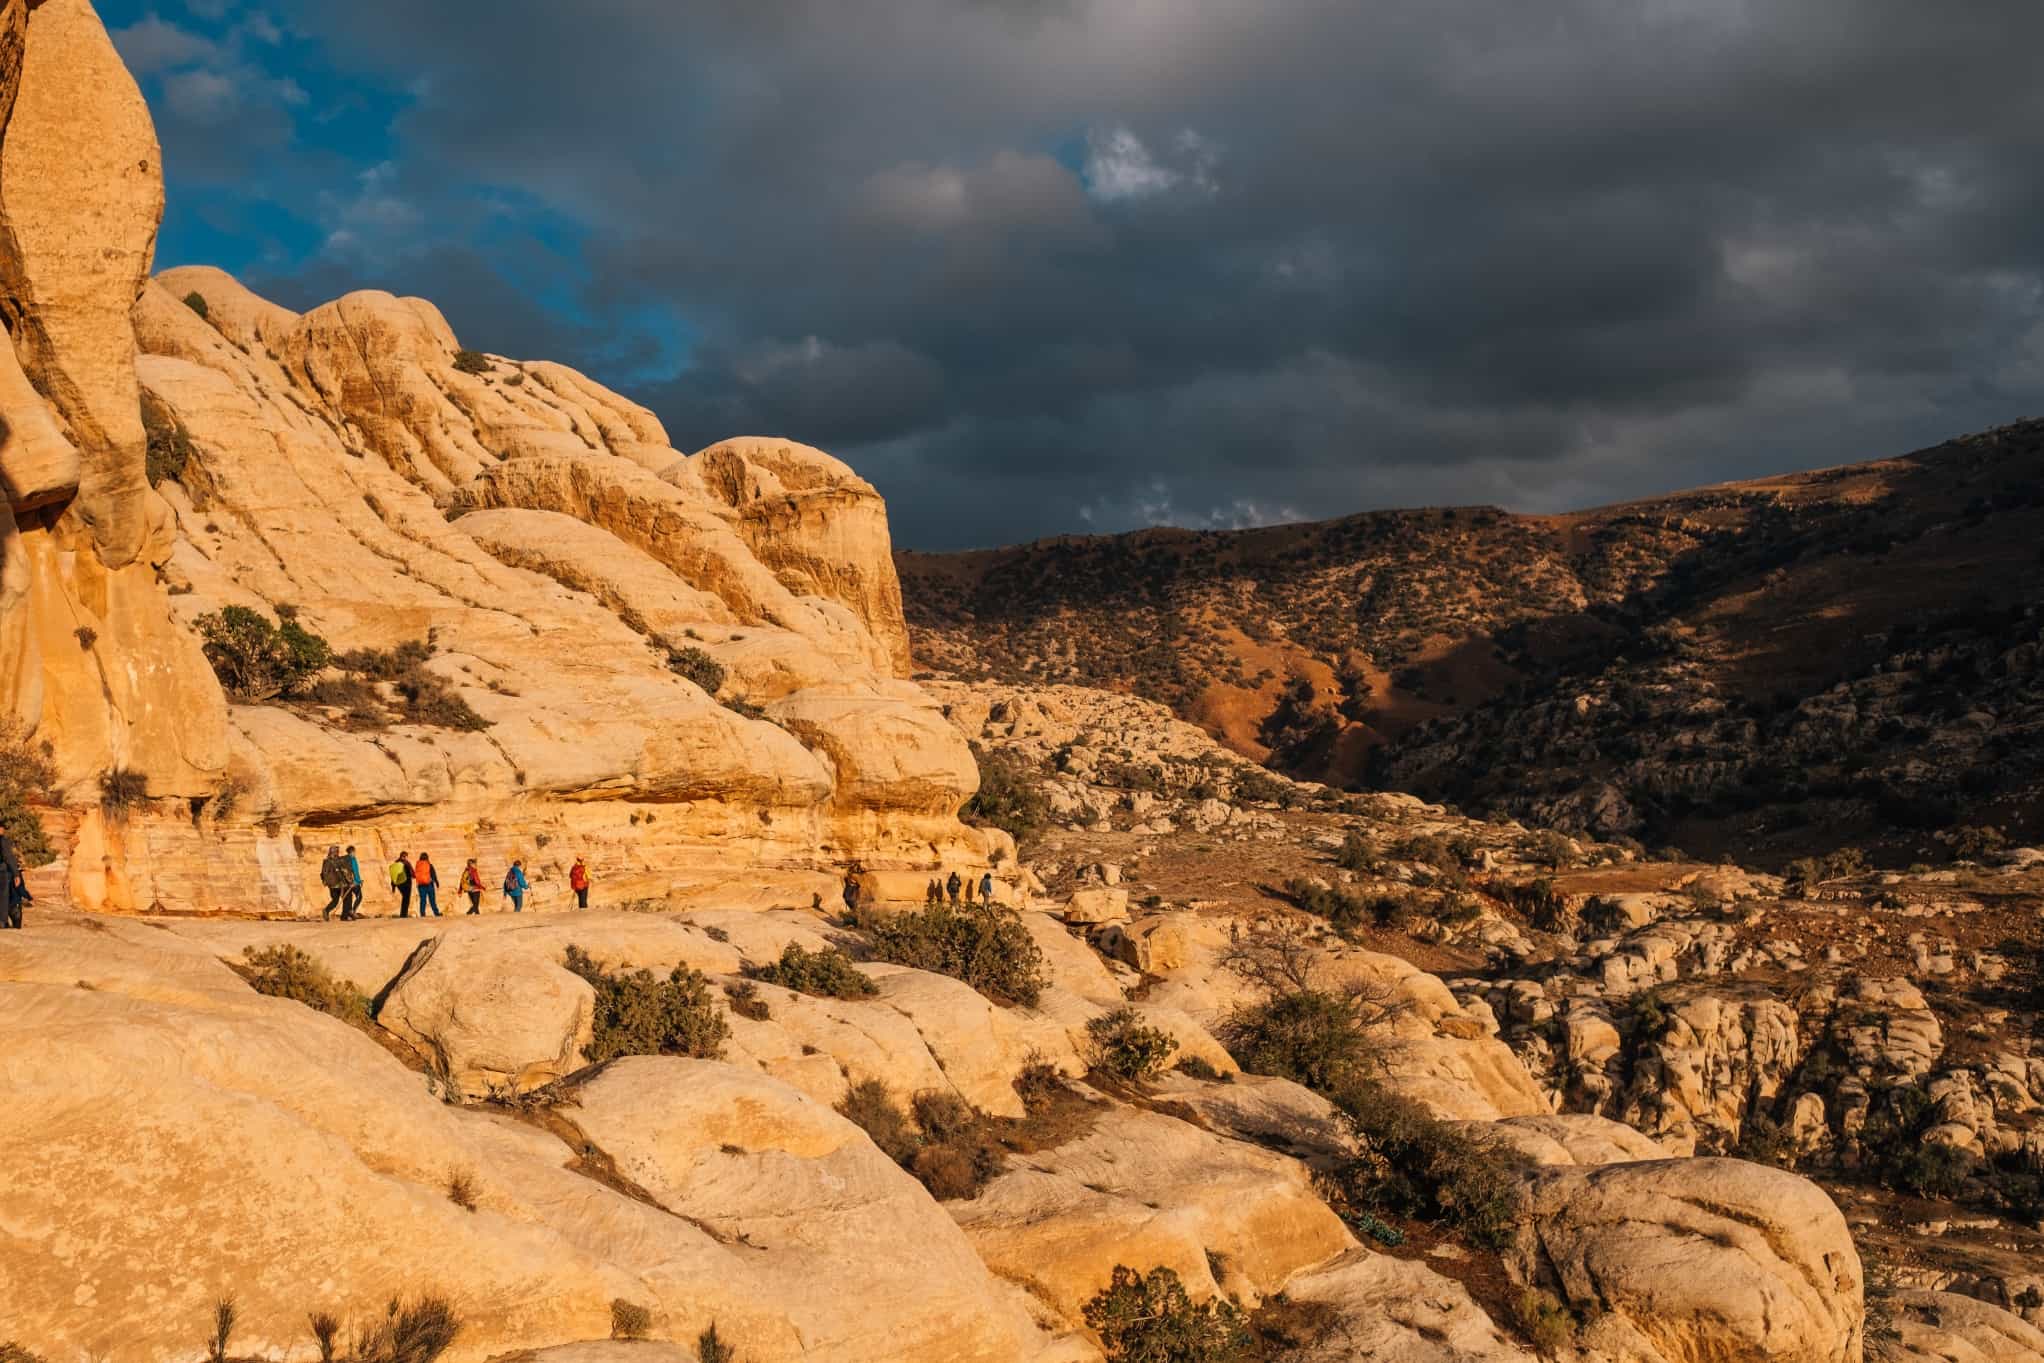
{"x":332,"y":874}
{"x":511,"y":885}
{"x":400,"y":873}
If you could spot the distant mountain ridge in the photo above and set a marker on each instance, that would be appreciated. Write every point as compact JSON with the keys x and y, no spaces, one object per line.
{"x":1845,"y":653}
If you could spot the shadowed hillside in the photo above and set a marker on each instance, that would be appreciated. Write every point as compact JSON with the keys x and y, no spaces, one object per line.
{"x":1790,"y":661}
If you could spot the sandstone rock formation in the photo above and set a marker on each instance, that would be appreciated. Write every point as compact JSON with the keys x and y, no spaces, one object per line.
{"x":533,"y":531}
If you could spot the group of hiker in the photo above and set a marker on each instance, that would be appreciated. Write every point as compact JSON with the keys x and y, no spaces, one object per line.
{"x":938,"y":890}
{"x":418,"y":878}
{"x":935,"y":892}
{"x":14,"y":893}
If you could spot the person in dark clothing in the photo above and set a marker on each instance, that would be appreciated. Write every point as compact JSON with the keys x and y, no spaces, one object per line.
{"x":401,"y":883}
{"x":351,"y":902}
{"x":13,"y":888}
{"x":472,"y":886}
{"x":426,"y":877}
{"x":851,"y":889}
{"x":953,"y":886}
{"x":333,"y":873}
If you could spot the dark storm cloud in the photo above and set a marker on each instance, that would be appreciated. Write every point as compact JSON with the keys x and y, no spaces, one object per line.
{"x":1037,"y":265}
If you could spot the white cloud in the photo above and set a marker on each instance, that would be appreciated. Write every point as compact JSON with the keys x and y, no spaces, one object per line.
{"x":201,"y":96}
{"x":151,"y":45}
{"x":1120,"y":165}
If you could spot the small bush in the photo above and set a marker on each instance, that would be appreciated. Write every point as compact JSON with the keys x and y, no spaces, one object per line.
{"x":1313,"y":1037}
{"x":1121,"y":1045}
{"x":196,"y":301}
{"x":461,"y":1189}
{"x":285,"y":972}
{"x":712,"y":1348}
{"x":947,"y":1146}
{"x":386,"y":664}
{"x":415,"y":1332}
{"x":1148,"y":1318}
{"x":1411,"y":1164}
{"x":257,"y":660}
{"x":1547,"y":1324}
{"x":169,"y":449}
{"x":472,"y":362}
{"x":986,"y":947}
{"x":629,"y":1320}
{"x":1010,"y":797}
{"x":827,"y":974}
{"x":640,"y":1014}
{"x":431,"y":701}
{"x":698,"y":666}
{"x":27,"y":770}
{"x":1356,"y":853}
{"x":870,"y":1107}
{"x":743,"y":996}
{"x":1343,"y":911}
{"x":120,"y":790}
{"x":224,"y":1318}
{"x":1197,"y":1068}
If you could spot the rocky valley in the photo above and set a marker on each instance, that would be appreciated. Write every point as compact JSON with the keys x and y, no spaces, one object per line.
{"x":927,"y":1005}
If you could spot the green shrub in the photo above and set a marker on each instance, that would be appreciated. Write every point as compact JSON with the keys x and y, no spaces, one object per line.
{"x":743,"y":996}
{"x":27,"y":770}
{"x":1411,"y":1164}
{"x":641,"y":1014}
{"x":870,"y":1107}
{"x":1197,"y":1068}
{"x":1313,"y":1037}
{"x":472,"y":362}
{"x":1544,"y":1320}
{"x":1121,"y":1045}
{"x":1356,"y":853}
{"x":1148,"y":1318}
{"x":169,"y":449}
{"x":120,"y":790}
{"x":1010,"y":797}
{"x":285,"y":972}
{"x":257,"y":660}
{"x":827,"y":974}
{"x":196,"y":301}
{"x":947,"y":1145}
{"x":1343,"y":911}
{"x":711,"y":1347}
{"x":385,"y":664}
{"x":629,"y":1320}
{"x":430,"y":700}
{"x":697,"y":666}
{"x":985,"y":946}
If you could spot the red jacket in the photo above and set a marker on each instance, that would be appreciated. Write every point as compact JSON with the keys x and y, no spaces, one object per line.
{"x":578,"y":877}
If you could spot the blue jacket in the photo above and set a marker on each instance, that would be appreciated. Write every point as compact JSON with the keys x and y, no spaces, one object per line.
{"x":355,"y":870}
{"x":514,"y":879}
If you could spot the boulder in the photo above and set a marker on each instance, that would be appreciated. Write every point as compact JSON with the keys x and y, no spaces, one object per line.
{"x":1698,"y":1260}
{"x":493,"y":1016}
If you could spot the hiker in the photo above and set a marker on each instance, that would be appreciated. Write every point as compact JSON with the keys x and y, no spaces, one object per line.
{"x":333,"y":873}
{"x":986,"y":888}
{"x":578,"y":881}
{"x":852,"y":889}
{"x":426,"y":877}
{"x":22,"y":898}
{"x":351,"y":902}
{"x":515,"y":886}
{"x":472,"y":886}
{"x":401,"y":883}
{"x":13,"y":887}
{"x":954,"y":885}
